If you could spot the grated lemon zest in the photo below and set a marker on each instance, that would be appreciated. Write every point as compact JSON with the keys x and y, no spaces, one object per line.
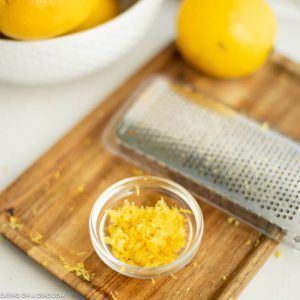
{"x":265,"y":126}
{"x":13,"y":223}
{"x":256,"y":243}
{"x":146,"y":236}
{"x":45,"y":263}
{"x":81,"y":188}
{"x":236,"y":223}
{"x":224,"y":277}
{"x":37,"y":238}
{"x":56,"y":174}
{"x":233,"y":220}
{"x":230,"y":220}
{"x":78,"y":269}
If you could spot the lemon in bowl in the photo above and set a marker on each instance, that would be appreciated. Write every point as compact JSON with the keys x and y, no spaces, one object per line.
{"x":78,"y":52}
{"x":103,"y":10}
{"x":34,"y":19}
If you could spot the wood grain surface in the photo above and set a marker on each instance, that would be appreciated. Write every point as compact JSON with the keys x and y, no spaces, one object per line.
{"x":45,"y":211}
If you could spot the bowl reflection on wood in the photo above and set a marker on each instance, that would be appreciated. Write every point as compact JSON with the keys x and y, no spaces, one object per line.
{"x":74,"y":55}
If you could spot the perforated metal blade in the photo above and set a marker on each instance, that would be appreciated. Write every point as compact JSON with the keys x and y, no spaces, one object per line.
{"x":231,"y":160}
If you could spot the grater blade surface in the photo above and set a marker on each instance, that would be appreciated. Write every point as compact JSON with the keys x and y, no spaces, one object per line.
{"x":232,"y":155}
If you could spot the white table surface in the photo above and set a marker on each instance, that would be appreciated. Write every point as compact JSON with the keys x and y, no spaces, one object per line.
{"x":33,"y":118}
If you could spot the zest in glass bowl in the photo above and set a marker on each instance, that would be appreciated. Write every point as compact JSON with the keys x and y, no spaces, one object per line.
{"x":150,"y":190}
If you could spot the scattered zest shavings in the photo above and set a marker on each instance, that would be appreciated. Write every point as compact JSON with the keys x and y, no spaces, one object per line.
{"x":45,"y":263}
{"x":81,"y":188}
{"x":153,"y":281}
{"x":187,"y":290}
{"x":233,"y":220}
{"x":13,"y":223}
{"x":248,"y":242}
{"x":265,"y":126}
{"x":224,"y":277}
{"x":195,"y":264}
{"x":236,"y":223}
{"x":278,"y":254}
{"x":173,"y":276}
{"x":137,"y":172}
{"x":256,"y":243}
{"x":78,"y":269}
{"x":37,"y":238}
{"x":177,"y":292}
{"x":230,"y":220}
{"x":56,"y":174}
{"x":146,"y":236}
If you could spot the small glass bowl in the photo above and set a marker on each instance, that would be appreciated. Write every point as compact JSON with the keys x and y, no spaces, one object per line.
{"x":146,"y":191}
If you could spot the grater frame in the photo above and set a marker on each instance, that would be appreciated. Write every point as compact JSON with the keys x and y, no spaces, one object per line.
{"x":122,"y":148}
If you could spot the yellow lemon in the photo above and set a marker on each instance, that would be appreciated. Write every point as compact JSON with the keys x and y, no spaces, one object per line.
{"x":37,"y":19}
{"x":225,"y":38}
{"x":103,"y":10}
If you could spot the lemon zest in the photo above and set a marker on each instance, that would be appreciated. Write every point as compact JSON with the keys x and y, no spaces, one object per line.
{"x":146,"y":236}
{"x":13,"y":223}
{"x":81,"y":188}
{"x":78,"y":269}
{"x":278,"y":254}
{"x":37,"y":238}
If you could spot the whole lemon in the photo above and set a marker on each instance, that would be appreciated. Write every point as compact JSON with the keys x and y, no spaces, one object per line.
{"x":103,"y":10}
{"x":225,"y":38}
{"x":37,"y":19}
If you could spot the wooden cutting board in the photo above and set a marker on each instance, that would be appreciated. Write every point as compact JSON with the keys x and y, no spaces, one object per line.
{"x":45,"y":211}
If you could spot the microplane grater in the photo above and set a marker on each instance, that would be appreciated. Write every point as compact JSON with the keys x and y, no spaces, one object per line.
{"x":209,"y":143}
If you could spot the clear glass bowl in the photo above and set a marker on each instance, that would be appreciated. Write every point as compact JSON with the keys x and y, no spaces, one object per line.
{"x":151,"y":189}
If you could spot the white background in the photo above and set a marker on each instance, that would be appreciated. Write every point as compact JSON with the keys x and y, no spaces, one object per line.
{"x":33,"y":118}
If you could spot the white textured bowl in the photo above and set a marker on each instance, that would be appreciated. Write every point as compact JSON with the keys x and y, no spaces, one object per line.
{"x":71,"y":56}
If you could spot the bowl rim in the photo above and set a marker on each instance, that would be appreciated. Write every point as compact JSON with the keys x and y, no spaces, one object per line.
{"x":131,"y":269}
{"x":75,"y":35}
